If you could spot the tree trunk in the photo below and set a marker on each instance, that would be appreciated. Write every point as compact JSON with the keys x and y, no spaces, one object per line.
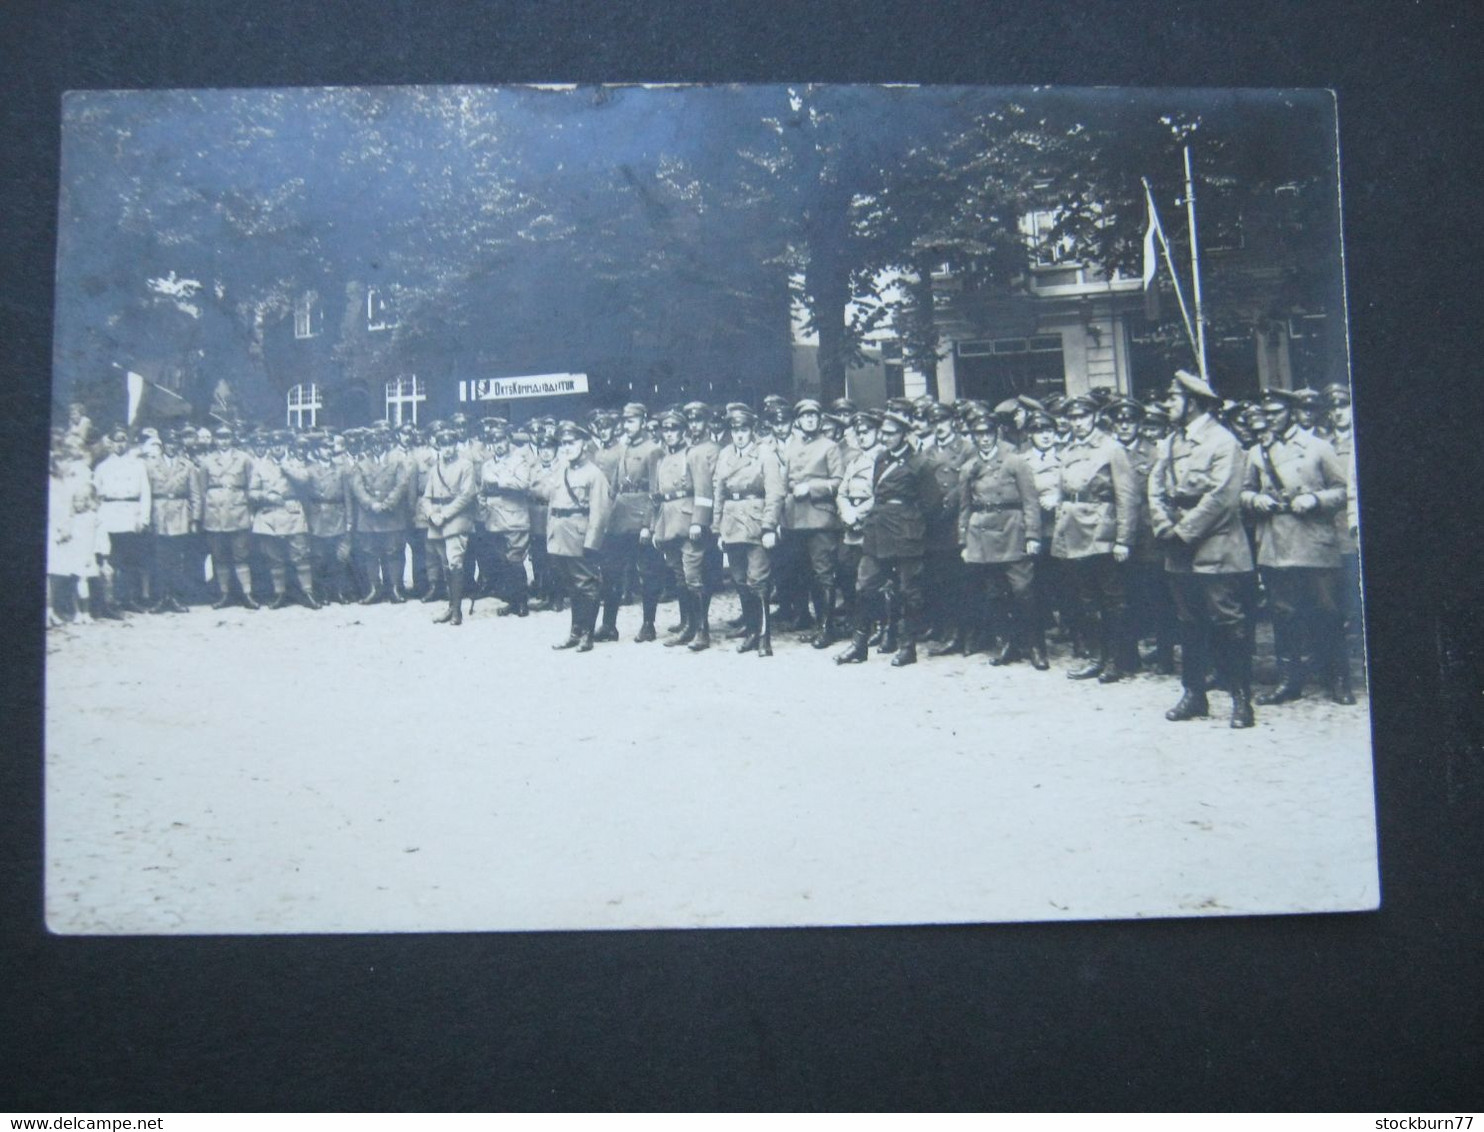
{"x":922,"y":338}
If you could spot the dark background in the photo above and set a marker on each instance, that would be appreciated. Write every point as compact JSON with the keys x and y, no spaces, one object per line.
{"x":1379,"y":1011}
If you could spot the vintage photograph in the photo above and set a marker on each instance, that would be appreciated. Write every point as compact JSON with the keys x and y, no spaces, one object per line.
{"x":607,"y":507}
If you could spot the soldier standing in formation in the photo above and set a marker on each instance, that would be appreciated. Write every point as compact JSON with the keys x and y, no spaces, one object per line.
{"x":450,"y":492}
{"x":812,"y":469}
{"x":177,"y":502}
{"x":577,"y":520}
{"x":505,"y":517}
{"x":749,"y":509}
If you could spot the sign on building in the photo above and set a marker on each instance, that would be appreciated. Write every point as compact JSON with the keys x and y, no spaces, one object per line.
{"x":509,"y":388}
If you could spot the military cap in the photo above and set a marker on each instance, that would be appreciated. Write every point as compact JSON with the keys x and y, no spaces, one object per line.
{"x":1195,"y":385}
{"x":1029,"y":403}
{"x":382,"y":425}
{"x":923,"y":401}
{"x":901,"y":420}
{"x":670,"y":418}
{"x":445,"y":436}
{"x":224,"y":433}
{"x":546,"y":438}
{"x":149,"y":434}
{"x":1307,"y":396}
{"x":407,"y":426}
{"x":495,"y":428}
{"x":843,"y":405}
{"x":1078,"y":406}
{"x":937,"y":413}
{"x":871,"y":418}
{"x":981,"y":422}
{"x":740,"y":415}
{"x":1337,"y":393}
{"x":634,"y":409}
{"x":1124,"y":409}
{"x":778,"y":413}
{"x":1040,"y":422}
{"x":571,"y":430}
{"x":459,"y":418}
{"x":1279,"y":398}
{"x":1054,"y":403}
{"x":774,"y":401}
{"x":901,"y":405}
{"x":808,"y":405}
{"x":604,"y":417}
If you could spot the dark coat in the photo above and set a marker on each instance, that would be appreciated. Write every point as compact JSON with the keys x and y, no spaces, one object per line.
{"x":907,"y":492}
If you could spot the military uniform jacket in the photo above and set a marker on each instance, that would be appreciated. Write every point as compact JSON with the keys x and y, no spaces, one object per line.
{"x":122,"y":484}
{"x":999,"y":511}
{"x":274,"y":492}
{"x":1141,"y":455}
{"x":450,"y":491}
{"x":176,"y":495}
{"x":1195,"y":492}
{"x":905,"y":492}
{"x":1046,"y":469}
{"x":814,"y":462}
{"x":226,"y":476}
{"x":673,"y":504}
{"x":544,"y":478}
{"x":857,"y":493}
{"x":1298,"y":463}
{"x":1344,"y":445}
{"x":749,"y":493}
{"x":948,"y":462}
{"x":629,"y":478}
{"x":408,"y":458}
{"x":424,"y":456}
{"x":505,"y":493}
{"x":379,"y":485}
{"x":327,"y":498}
{"x":1097,"y":507}
{"x":581,"y":504}
{"x":701,"y":458}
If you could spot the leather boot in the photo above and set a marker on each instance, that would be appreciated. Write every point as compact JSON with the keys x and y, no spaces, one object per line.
{"x":686,"y":630}
{"x":306,"y":587}
{"x":1192,"y":705}
{"x":953,"y":645}
{"x":702,"y":614}
{"x":858,"y":652}
{"x":752,"y":623}
{"x":765,"y":636}
{"x":574,"y":635}
{"x":393,"y":570}
{"x":609,"y":631}
{"x":454,"y":614}
{"x":1242,"y":708}
{"x":588,"y":621}
{"x":1290,"y":684}
{"x":649,"y":607}
{"x":1090,"y":671}
{"x":1010,"y":651}
{"x":907,"y":655}
{"x":1340,"y":690}
{"x":374,"y":597}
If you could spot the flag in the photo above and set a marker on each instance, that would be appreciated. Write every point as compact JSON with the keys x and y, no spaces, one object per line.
{"x":1151,"y":264}
{"x":150,"y":401}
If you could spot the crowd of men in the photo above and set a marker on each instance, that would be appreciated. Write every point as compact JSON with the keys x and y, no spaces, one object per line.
{"x":958,"y":527}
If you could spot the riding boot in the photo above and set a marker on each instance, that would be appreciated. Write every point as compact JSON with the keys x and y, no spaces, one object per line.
{"x":589,"y":621}
{"x":649,"y":607}
{"x":1290,"y":682}
{"x":1340,"y":689}
{"x":765,"y":636}
{"x":454,"y":614}
{"x":686,"y":630}
{"x":858,"y":652}
{"x":752,"y":622}
{"x":891,"y":623}
{"x":372,"y":573}
{"x":306,"y":585}
{"x":609,"y":630}
{"x":437,"y":589}
{"x":574,"y":634}
{"x":908,"y":653}
{"x":1237,"y":658}
{"x":391,"y":567}
{"x":1192,"y":705}
{"x":701,"y":611}
{"x":1112,"y":646}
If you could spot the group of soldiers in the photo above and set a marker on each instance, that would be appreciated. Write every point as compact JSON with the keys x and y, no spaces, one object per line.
{"x":961,"y":527}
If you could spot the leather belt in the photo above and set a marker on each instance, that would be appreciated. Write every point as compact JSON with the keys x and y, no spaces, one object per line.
{"x":568,"y":512}
{"x":994,"y":507}
{"x":1084,"y":497}
{"x":736,"y":495}
{"x":671,"y":496}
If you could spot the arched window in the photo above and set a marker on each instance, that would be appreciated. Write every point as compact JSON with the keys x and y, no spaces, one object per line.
{"x":304,"y":404}
{"x":403,"y":395}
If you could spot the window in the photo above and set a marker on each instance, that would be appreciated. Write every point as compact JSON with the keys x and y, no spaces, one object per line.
{"x":304,"y":404}
{"x":994,"y":369}
{"x":1037,"y":227}
{"x":379,"y":312}
{"x":403,"y":395}
{"x":307,"y":318}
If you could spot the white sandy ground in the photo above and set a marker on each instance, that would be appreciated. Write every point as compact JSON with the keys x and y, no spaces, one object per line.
{"x":360,"y":770}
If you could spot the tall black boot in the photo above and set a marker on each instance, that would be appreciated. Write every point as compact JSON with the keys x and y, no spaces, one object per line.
{"x":687,"y":627}
{"x":908,"y":652}
{"x":751,"y":622}
{"x":859,"y":650}
{"x":701,"y":611}
{"x":649,"y":606}
{"x":588,"y":623}
{"x":1338,"y":650}
{"x":765,"y":634}
{"x":454,"y":614}
{"x":1194,"y":662}
{"x":1237,"y":661}
{"x":1113,"y":646}
{"x":574,"y":635}
{"x":609,"y":629}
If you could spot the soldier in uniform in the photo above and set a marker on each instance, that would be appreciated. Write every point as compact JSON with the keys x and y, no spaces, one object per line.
{"x":177,"y":501}
{"x":327,"y":507}
{"x":690,"y":553}
{"x":812,"y":469}
{"x":1295,"y":487}
{"x":893,"y":538}
{"x":579,"y":507}
{"x":1149,"y":610}
{"x":1000,"y":528}
{"x":379,"y":483}
{"x":547,"y":466}
{"x":1342,"y":440}
{"x":853,"y":501}
{"x":227,"y":518}
{"x":1195,"y":493}
{"x":749,"y":508}
{"x":122,"y":485}
{"x":276,"y":492}
{"x":630,"y":470}
{"x":417,"y":457}
{"x":1096,"y":523}
{"x":671,"y":516}
{"x":949,"y":610}
{"x":505,"y":516}
{"x":450,"y":495}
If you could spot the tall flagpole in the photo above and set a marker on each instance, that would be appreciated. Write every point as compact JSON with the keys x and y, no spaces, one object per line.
{"x":1195,"y":268}
{"x":1164,"y":245}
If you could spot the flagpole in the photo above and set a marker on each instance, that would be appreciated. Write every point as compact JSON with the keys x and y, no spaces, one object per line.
{"x":1164,"y":245}
{"x":1195,"y":268}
